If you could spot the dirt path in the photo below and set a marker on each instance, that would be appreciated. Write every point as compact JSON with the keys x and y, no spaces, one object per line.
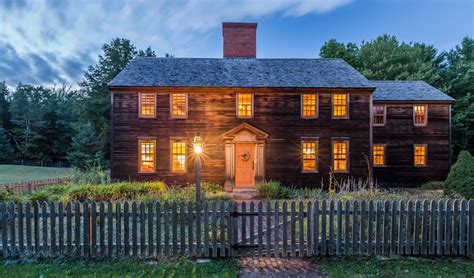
{"x":278,"y":267}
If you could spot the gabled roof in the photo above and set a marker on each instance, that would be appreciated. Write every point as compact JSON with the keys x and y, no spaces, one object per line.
{"x":407,"y":91}
{"x":236,"y":72}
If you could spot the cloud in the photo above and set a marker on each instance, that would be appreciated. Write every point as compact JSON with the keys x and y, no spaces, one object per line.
{"x":54,"y":40}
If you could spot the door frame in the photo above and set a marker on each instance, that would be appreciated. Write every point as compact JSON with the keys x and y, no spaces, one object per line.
{"x":244,"y":133}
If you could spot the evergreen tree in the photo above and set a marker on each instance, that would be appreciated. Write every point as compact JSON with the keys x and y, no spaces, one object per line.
{"x":6,"y":148}
{"x":86,"y":148}
{"x":335,"y":49}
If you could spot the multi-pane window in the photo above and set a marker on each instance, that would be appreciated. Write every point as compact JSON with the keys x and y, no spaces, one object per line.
{"x":420,"y":155}
{"x":309,"y":105}
{"x":244,"y":105}
{"x":379,"y":115}
{"x":178,"y":156}
{"x":340,"y":153}
{"x":339,"y":106}
{"x":147,"y":105}
{"x":379,"y":155}
{"x":179,"y":105}
{"x":420,"y":114}
{"x":310,"y":155}
{"x":147,"y":153}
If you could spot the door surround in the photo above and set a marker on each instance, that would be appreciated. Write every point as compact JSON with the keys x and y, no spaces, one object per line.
{"x":244,"y":133}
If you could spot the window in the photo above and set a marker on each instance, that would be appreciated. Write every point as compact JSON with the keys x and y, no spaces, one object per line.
{"x":379,"y":115}
{"x":310,"y":155}
{"x":244,"y":105}
{"x":420,"y":155}
{"x":179,"y":105}
{"x":147,"y":105}
{"x":339,"y":106}
{"x":340,"y":152}
{"x":309,"y":105}
{"x":379,"y":155}
{"x":178,"y":156}
{"x":147,"y":151}
{"x":420,"y":115}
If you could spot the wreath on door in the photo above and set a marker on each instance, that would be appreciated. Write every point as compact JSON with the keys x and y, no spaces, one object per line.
{"x":244,"y":156}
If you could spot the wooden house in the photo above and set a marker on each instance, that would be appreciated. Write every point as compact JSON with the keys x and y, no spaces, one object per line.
{"x":291,"y":120}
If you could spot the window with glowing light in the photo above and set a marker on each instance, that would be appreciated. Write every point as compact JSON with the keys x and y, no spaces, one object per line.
{"x":420,"y":155}
{"x":420,"y":115}
{"x":179,"y":105}
{"x":309,"y":105}
{"x":379,"y":115}
{"x":378,"y":155}
{"x":310,"y":155}
{"x":147,"y":154}
{"x":147,"y":104}
{"x":178,"y":156}
{"x":340,"y":153}
{"x":244,"y":105}
{"x":339,"y":106}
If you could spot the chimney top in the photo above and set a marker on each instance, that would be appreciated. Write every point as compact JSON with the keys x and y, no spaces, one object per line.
{"x":239,"y":39}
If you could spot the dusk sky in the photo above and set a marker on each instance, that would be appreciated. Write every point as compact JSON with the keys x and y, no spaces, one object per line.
{"x":44,"y":42}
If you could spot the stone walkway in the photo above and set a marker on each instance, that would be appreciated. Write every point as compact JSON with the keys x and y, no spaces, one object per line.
{"x":278,"y":267}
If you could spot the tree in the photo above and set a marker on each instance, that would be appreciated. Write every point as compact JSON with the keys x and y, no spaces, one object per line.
{"x":96,"y":104}
{"x":6,"y":148}
{"x":460,"y":181}
{"x":5,"y":115}
{"x":334,"y":49}
{"x":86,"y":148}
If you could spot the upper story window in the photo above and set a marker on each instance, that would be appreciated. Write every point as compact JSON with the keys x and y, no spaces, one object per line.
{"x":244,"y":105}
{"x":309,"y":105}
{"x":146,"y":155}
{"x":147,"y":105}
{"x":340,"y":106}
{"x":420,"y":114}
{"x":309,"y":148}
{"x":178,"y":156}
{"x":378,"y":155}
{"x":420,"y":155}
{"x":340,"y":155}
{"x":379,"y":112}
{"x":179,"y":105}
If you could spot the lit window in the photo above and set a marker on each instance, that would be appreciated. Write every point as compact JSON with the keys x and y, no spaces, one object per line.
{"x":179,"y":105}
{"x":310,"y":155}
{"x":178,"y":156}
{"x":379,"y":115}
{"x":340,"y":155}
{"x":420,"y":115}
{"x":339,"y":106}
{"x":420,"y":155}
{"x":379,"y":155}
{"x":309,"y":105}
{"x":147,"y":105}
{"x":147,"y":152}
{"x":244,"y":105}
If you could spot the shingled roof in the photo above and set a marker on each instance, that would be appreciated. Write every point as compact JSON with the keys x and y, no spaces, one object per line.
{"x":407,"y":91}
{"x":236,"y":72}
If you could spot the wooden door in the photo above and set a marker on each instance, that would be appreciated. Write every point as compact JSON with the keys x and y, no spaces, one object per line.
{"x":244,"y":164}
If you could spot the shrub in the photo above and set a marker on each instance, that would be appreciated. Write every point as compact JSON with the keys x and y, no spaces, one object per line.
{"x":306,"y":193}
{"x":273,"y":190}
{"x":5,"y":193}
{"x":432,"y":185}
{"x":212,"y":187}
{"x":460,"y":181}
{"x":39,"y":196}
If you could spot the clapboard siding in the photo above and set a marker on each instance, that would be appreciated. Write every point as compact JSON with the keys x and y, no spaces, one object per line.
{"x":399,"y":134}
{"x":212,"y":113}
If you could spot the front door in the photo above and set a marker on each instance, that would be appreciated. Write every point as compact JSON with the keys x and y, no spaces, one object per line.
{"x":244,"y":164}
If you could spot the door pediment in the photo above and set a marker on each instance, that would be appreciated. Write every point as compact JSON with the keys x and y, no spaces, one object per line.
{"x":245,"y":132}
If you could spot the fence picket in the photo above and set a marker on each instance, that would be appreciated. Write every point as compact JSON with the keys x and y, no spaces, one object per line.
{"x":44,"y":223}
{"x":370,"y":228}
{"x":268,"y":231}
{"x":432,"y":229}
{"x":222,"y":217}
{"x":455,"y":228}
{"x":28,"y":227}
{"x":68,"y":228}
{"x":355,"y":208}
{"x":409,"y":229}
{"x":323,"y":228}
{"x":102,"y":228}
{"x":243,"y":223}
{"x":4,"y":230}
{"x":362,"y":228}
{"x":377,"y":227}
{"x":401,"y":230}
{"x":331,"y":228}
{"x":151,"y":244}
{"x":292,"y":229}
{"x":77,"y":229}
{"x":182,"y":231}
{"x":142,"y":230}
{"x":214,"y":229}
{"x":20,"y":229}
{"x":85,"y":228}
{"x":347,"y":221}
{"x":316,"y":228}
{"x":462,"y":228}
{"x":118,"y":229}
{"x":158,"y":228}
{"x":206,"y":229}
{"x":277,"y":228}
{"x":252,"y":224}
{"x":126,"y":229}
{"x":439,"y":233}
{"x":93,"y":229}
{"x":309,"y":229}
{"x":386,"y":225}
{"x":424,"y":229}
{"x":416,"y":250}
{"x":448,"y":225}
{"x":134,"y":230}
{"x":284,"y":229}
{"x":260,"y":228}
{"x":470,"y":224}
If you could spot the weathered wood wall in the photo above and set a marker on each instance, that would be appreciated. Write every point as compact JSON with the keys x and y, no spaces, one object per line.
{"x":399,"y":134}
{"x":212,"y":113}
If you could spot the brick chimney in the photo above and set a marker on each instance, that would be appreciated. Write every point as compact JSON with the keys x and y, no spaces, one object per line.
{"x":240,"y":39}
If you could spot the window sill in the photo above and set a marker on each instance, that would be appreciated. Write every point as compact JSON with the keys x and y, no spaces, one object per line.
{"x":310,"y":172}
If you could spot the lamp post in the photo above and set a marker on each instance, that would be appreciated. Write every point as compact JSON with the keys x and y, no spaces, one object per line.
{"x":198,"y":150}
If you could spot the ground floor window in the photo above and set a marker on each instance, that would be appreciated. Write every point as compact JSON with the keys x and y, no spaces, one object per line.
{"x":309,"y":148}
{"x":178,"y":156}
{"x":340,"y":155}
{"x":147,"y":155}
{"x":420,"y":155}
{"x":379,"y":155}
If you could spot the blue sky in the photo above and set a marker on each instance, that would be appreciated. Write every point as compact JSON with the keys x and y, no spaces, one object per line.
{"x":47,"y":42}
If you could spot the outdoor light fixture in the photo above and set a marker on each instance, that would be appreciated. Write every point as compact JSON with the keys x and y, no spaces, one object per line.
{"x":197,"y":144}
{"x":198,"y":150}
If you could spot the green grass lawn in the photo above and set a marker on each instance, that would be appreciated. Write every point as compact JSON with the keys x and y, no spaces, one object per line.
{"x":17,"y":173}
{"x":120,"y":268}
{"x":396,"y":267}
